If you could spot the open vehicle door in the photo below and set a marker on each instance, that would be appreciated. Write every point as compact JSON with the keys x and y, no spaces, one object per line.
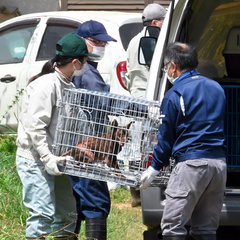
{"x":213,"y":27}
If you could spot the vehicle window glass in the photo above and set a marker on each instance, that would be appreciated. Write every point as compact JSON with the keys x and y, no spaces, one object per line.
{"x":50,"y":38}
{"x":14,"y":43}
{"x":211,"y":35}
{"x":128,"y":31}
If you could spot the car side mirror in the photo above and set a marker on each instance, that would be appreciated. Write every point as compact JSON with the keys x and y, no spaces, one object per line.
{"x":146,"y":50}
{"x":152,"y":32}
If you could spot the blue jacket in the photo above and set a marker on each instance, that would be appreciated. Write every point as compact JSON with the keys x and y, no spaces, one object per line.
{"x":91,"y":80}
{"x":192,"y":121}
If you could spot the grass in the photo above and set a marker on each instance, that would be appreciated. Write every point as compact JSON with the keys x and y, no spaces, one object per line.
{"x":124,"y":222}
{"x":12,"y":212}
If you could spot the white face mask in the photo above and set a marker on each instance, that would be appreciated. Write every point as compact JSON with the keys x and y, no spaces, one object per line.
{"x":171,"y":79}
{"x":96,"y":50}
{"x":77,"y":72}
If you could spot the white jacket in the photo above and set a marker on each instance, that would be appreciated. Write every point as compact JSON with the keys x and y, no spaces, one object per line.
{"x":137,"y":74}
{"x":38,"y":119}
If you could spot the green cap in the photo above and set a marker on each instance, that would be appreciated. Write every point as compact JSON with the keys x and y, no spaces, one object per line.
{"x":71,"y":45}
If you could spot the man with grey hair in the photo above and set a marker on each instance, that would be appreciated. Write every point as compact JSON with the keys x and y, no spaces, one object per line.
{"x":192,"y":133}
{"x":153,"y":15}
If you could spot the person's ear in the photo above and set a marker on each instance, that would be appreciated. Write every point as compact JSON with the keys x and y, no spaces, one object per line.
{"x":154,"y":22}
{"x":74,"y":61}
{"x":174,"y":66}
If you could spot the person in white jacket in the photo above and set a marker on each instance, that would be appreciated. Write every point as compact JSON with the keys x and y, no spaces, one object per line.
{"x":153,"y":15}
{"x":46,"y":192}
{"x":137,"y":75}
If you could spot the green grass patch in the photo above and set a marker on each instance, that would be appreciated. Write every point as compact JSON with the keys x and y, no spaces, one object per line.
{"x":124,"y":222}
{"x":13,"y":214}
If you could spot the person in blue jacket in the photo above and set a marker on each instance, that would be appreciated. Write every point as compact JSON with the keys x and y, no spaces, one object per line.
{"x":191,"y":132}
{"x":92,"y":196}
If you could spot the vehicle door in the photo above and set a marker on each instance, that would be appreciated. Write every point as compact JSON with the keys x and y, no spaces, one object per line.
{"x":26,"y":45}
{"x":156,"y":88}
{"x":15,"y":40}
{"x":206,"y":25}
{"x":53,"y":29}
{"x":157,"y":82}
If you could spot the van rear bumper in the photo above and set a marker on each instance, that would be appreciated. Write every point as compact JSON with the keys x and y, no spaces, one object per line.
{"x":153,"y":202}
{"x":152,"y":206}
{"x":230,"y":215}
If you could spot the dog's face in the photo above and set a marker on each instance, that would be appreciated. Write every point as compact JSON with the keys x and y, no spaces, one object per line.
{"x":120,"y":134}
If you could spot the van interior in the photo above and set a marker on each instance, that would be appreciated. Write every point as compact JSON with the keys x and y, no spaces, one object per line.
{"x":214,"y":28}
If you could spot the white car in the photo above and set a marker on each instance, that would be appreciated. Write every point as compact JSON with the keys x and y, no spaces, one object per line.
{"x":28,"y":41}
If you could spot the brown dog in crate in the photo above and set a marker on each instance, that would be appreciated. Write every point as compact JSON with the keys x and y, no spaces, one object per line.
{"x":104,"y":147}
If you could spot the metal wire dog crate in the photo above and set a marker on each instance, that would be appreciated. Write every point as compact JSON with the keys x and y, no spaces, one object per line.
{"x":107,"y":137}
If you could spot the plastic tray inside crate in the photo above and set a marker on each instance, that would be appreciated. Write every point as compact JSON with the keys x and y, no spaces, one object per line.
{"x":107,"y":137}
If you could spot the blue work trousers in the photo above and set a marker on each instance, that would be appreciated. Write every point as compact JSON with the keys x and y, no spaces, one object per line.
{"x":92,"y":197}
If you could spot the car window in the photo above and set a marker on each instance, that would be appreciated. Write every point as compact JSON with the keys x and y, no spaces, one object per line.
{"x":128,"y":31}
{"x":14,"y":42}
{"x":50,"y":38}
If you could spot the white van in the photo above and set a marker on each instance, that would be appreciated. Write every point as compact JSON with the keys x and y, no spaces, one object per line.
{"x":214,"y":28}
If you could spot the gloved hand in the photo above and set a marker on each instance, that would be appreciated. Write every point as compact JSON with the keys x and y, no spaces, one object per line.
{"x":50,"y":162}
{"x":147,"y":177}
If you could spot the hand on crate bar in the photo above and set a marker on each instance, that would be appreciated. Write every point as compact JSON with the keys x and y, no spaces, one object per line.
{"x":147,"y":177}
{"x":50,"y":162}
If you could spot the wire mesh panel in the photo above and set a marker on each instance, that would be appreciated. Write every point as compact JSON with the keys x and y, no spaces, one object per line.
{"x":232,"y":120}
{"x":107,"y":137}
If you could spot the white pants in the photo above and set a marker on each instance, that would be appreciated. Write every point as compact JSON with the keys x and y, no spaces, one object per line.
{"x":49,"y":199}
{"x":195,"y":192}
